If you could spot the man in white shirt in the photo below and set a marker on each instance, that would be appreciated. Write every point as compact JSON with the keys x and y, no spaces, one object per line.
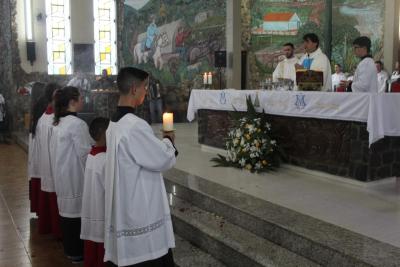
{"x":365,"y":78}
{"x":138,"y":226}
{"x":316,"y":60}
{"x":286,"y":68}
{"x":337,"y":77}
{"x":382,"y":76}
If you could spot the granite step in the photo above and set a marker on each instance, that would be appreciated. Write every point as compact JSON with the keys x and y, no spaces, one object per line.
{"x":227,"y":242}
{"x":313,"y":239}
{"x":187,"y":255}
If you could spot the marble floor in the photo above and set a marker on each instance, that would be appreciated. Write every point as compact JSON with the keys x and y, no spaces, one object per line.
{"x":372,"y":210}
{"x":20,"y":245}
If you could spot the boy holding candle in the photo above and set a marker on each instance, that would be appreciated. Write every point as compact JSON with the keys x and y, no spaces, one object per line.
{"x":138,"y":227}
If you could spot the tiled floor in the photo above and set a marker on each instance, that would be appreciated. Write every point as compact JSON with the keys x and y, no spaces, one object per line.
{"x":20,"y":245}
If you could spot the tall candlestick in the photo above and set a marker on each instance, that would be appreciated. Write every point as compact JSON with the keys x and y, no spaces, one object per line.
{"x":205,"y":78}
{"x":209,"y":78}
{"x":168,"y":122}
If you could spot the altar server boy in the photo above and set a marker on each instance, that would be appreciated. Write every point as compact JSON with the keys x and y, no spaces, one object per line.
{"x":92,"y":229}
{"x":48,"y":218}
{"x":138,"y":230}
{"x":71,"y":146}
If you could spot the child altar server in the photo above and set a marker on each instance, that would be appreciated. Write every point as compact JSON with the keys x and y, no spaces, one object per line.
{"x":48,"y":218}
{"x":92,"y":228}
{"x":138,"y":227}
{"x":38,"y":106}
{"x":70,"y":145}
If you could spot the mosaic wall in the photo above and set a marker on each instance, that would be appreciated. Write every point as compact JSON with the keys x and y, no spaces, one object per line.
{"x":175,"y":40}
{"x":274,"y":23}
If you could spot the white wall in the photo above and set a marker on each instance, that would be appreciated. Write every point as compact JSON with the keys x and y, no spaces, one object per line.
{"x":81,"y":30}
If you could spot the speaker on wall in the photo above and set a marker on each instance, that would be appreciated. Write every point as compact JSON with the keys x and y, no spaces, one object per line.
{"x":220,"y":59}
{"x":31,"y":51}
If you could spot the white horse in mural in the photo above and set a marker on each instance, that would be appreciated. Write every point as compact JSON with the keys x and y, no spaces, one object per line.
{"x":139,"y":55}
{"x":162,"y":41}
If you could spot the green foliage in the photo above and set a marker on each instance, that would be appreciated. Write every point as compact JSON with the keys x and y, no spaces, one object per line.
{"x":249,"y":144}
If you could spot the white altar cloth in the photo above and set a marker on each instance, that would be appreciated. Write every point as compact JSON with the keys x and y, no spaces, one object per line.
{"x":381,"y":112}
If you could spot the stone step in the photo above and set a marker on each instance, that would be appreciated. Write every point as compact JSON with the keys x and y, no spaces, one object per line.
{"x":318,"y":241}
{"x":227,"y":242}
{"x":187,"y":255}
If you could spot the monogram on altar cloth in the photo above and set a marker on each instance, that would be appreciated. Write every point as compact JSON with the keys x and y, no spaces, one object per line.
{"x":379,"y":111}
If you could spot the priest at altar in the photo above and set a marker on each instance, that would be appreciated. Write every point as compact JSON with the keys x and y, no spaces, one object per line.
{"x":286,"y":68}
{"x":314,"y":59}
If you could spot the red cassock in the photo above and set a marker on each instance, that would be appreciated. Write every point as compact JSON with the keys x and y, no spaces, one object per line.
{"x":94,"y":254}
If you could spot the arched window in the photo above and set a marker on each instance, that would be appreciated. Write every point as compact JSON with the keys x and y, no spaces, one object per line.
{"x":58,"y":31}
{"x":105,"y":47}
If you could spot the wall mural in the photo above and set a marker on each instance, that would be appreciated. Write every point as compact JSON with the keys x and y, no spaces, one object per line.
{"x":175,"y":40}
{"x":353,"y":18}
{"x":275,"y":22}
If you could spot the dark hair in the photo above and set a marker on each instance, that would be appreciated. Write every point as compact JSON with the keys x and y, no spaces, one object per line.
{"x":289,"y":44}
{"x":62,"y":99}
{"x":129,"y":75}
{"x":337,"y":64}
{"x":311,"y":37}
{"x":38,"y":105}
{"x":98,"y":127}
{"x":379,"y":62}
{"x":363,"y":41}
{"x":49,"y":91}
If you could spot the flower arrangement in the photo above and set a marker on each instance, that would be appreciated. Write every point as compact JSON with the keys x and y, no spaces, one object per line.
{"x":249,"y":144}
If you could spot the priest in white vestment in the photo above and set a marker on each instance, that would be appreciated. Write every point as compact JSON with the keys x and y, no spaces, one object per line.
{"x":365,"y":78}
{"x":138,"y":227}
{"x":383,"y":76}
{"x":315,"y":59}
{"x":286,"y":68}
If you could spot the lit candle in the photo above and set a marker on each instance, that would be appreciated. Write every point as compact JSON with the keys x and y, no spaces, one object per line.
{"x":205,"y":78}
{"x":168,"y":122}
{"x":209,"y":78}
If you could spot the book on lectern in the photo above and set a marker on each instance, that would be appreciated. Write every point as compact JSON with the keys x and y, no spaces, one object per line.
{"x":309,"y":80}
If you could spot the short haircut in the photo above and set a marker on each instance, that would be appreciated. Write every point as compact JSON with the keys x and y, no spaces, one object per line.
{"x":98,"y":127}
{"x":337,"y":64}
{"x":379,"y":62}
{"x":289,"y":44}
{"x":311,"y":37}
{"x":128,"y":76}
{"x":363,"y":41}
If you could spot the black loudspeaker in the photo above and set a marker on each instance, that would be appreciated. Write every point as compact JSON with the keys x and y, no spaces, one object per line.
{"x":244,"y":70}
{"x":220,"y":59}
{"x":31,"y":52}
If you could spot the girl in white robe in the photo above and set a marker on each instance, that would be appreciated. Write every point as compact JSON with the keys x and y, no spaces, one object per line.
{"x":138,"y":227}
{"x":92,"y":228}
{"x":48,"y":217}
{"x":38,"y":106}
{"x":71,"y":146}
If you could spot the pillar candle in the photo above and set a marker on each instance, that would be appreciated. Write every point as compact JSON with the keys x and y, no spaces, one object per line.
{"x":209,"y":78}
{"x":205,"y":78}
{"x":168,"y":122}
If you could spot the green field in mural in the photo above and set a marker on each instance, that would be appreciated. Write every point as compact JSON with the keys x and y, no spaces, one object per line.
{"x":175,"y":40}
{"x":277,"y":22}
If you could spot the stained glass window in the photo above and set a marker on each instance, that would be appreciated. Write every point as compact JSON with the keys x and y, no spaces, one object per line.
{"x":105,"y":36}
{"x":58,"y":30}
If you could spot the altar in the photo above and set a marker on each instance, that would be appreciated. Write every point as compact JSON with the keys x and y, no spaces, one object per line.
{"x":355,"y":135}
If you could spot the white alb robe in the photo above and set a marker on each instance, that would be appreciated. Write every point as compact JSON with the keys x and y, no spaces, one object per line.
{"x":320,"y":62}
{"x":137,"y":216}
{"x":33,"y":158}
{"x":365,"y":78}
{"x":336,"y":78}
{"x":71,"y":144}
{"x":43,"y":135}
{"x":92,"y":225}
{"x":382,"y":77}
{"x":285,"y":70}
